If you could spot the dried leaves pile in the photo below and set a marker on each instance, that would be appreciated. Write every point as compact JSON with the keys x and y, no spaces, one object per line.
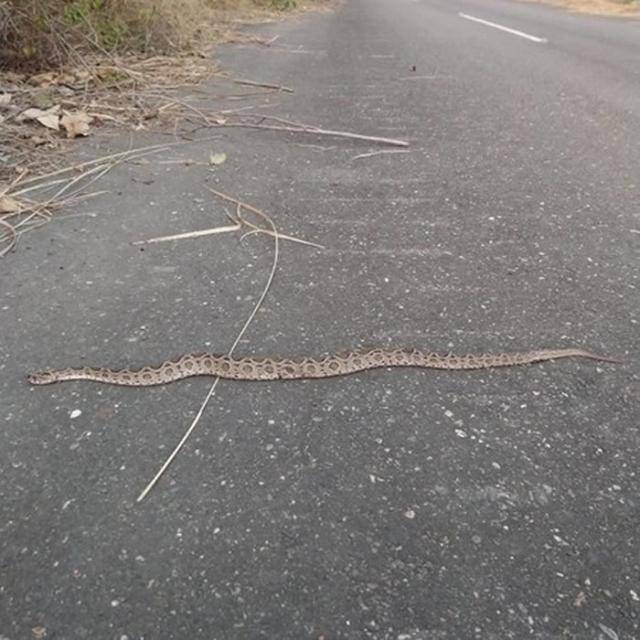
{"x":39,"y":112}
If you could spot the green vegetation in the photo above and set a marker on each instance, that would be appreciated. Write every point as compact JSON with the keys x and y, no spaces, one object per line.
{"x":283,"y":5}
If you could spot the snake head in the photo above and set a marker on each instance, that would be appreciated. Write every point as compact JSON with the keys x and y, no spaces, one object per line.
{"x":41,"y":377}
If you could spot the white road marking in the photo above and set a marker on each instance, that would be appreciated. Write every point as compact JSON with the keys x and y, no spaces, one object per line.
{"x":515,"y":32}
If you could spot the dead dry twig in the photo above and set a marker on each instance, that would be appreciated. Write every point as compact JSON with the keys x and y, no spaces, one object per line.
{"x":22,"y":214}
{"x":215,"y":383}
{"x":377,"y":153}
{"x":256,"y":121}
{"x":266,"y":85}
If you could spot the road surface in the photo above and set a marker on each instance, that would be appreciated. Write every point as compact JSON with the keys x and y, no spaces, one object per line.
{"x":404,"y":505}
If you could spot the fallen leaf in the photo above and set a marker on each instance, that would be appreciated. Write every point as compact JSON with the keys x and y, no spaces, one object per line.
{"x":76,"y":124}
{"x":9,"y":205}
{"x":49,"y":118}
{"x":217,"y":158}
{"x":5,"y":100}
{"x":39,"y":632}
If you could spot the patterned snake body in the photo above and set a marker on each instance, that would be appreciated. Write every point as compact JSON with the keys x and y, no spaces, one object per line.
{"x":207,"y":364}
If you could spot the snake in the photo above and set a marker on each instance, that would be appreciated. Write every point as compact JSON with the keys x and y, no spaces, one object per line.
{"x":340,"y":364}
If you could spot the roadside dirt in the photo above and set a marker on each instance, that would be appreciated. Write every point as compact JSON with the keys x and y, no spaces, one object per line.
{"x":597,"y":7}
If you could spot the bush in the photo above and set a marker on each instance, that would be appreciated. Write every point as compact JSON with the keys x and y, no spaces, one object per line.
{"x":45,"y":33}
{"x":283,"y":5}
{"x":36,"y":34}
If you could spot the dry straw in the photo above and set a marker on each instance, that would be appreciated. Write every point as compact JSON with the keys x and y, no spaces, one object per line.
{"x":276,"y":250}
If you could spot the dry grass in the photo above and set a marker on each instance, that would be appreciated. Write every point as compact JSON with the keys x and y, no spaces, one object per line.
{"x":133,"y":91}
{"x":122,"y":63}
{"x":118,"y":61}
{"x":42,"y":34}
{"x":27,"y":203}
{"x":622,"y":8}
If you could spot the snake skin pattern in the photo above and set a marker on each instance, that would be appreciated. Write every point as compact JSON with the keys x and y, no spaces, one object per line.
{"x":207,"y":364}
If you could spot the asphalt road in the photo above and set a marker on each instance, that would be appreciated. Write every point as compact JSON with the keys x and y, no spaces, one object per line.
{"x":404,"y":505}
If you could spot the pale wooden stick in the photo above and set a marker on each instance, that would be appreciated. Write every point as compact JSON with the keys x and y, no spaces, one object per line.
{"x":103,"y":159}
{"x":190,"y":234}
{"x":12,"y":234}
{"x":248,"y":207}
{"x":266,"y":85}
{"x":235,"y":227}
{"x":376,"y":153}
{"x":315,"y":131}
{"x":13,"y":183}
{"x":287,"y":123}
{"x":45,"y":185}
{"x":135,"y":153}
{"x":215,"y":230}
{"x":419,"y":78}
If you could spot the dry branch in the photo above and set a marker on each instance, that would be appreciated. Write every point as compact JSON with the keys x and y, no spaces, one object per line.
{"x":12,"y":236}
{"x":190,"y":234}
{"x":256,"y":229}
{"x":266,"y":85}
{"x":313,"y":131}
{"x":376,"y":153}
{"x":31,"y":213}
